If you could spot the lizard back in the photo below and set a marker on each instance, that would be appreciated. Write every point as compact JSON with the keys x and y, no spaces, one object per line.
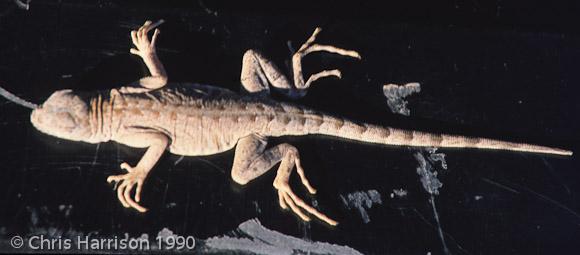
{"x":203,"y":120}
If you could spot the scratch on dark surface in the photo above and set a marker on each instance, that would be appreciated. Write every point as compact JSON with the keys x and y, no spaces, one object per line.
{"x":75,"y":163}
{"x":78,"y":168}
{"x":17,"y":100}
{"x":431,"y":184}
{"x":500,"y":185}
{"x":439,"y":228}
{"x":129,"y":25}
{"x":395,"y":96}
{"x":207,"y":10}
{"x":306,"y":230}
{"x":165,"y":193}
{"x":186,"y":210}
{"x":551,"y":168}
{"x":257,"y":207}
{"x":422,"y":217}
{"x":96,"y":155}
{"x":178,"y":160}
{"x":221,"y":169}
{"x":549,"y":200}
{"x":290,"y":47}
{"x":256,"y":239}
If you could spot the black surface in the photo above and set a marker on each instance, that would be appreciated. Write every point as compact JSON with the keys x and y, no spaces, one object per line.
{"x":502,"y":70}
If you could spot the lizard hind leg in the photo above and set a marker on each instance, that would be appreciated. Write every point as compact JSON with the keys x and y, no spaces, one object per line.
{"x":258,"y":72}
{"x":308,"y":47}
{"x":252,"y":159}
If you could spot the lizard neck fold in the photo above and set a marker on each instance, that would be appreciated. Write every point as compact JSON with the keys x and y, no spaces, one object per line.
{"x":101,"y":118}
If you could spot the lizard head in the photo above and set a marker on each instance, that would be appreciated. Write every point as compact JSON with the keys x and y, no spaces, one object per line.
{"x":64,"y":115}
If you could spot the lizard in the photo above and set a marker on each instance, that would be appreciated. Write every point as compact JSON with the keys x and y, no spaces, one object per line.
{"x":195,"y":120}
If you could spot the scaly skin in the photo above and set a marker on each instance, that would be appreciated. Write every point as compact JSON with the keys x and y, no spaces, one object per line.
{"x":193,"y":120}
{"x":205,"y":120}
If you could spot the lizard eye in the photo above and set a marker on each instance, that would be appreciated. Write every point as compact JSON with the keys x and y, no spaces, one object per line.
{"x":37,"y":120}
{"x":65,"y":120}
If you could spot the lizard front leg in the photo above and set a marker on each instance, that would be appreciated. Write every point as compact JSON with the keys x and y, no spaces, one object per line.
{"x":156,"y":143}
{"x":145,"y":48}
{"x":251,"y":160}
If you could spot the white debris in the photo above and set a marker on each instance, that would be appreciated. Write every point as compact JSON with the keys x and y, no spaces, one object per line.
{"x":395,"y":96}
{"x":361,"y":200}
{"x":164,"y":234}
{"x":399,"y":193}
{"x":428,"y":176}
{"x":260,"y":240}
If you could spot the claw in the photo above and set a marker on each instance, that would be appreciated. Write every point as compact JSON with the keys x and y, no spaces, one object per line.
{"x":295,"y":208}
{"x":310,"y":39}
{"x":303,"y":178}
{"x":281,"y":201}
{"x":156,"y":24}
{"x":126,"y":167}
{"x":287,"y":199}
{"x":154,"y":37}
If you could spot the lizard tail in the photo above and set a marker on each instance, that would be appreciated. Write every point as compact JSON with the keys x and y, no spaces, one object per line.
{"x":342,"y":128}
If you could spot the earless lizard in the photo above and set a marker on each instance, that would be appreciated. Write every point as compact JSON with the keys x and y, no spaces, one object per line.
{"x":193,"y":120}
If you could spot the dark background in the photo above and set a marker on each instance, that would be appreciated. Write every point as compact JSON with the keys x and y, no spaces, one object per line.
{"x":501,"y":69}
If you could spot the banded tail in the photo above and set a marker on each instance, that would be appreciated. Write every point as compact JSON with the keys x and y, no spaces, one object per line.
{"x":342,"y":128}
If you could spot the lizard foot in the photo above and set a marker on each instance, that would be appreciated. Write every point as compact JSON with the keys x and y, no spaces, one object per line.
{"x":287,"y":198}
{"x":308,"y":47}
{"x":134,"y":177}
{"x":141,"y":41}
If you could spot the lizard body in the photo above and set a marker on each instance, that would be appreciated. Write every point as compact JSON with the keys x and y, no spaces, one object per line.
{"x":205,"y":120}
{"x":194,"y":119}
